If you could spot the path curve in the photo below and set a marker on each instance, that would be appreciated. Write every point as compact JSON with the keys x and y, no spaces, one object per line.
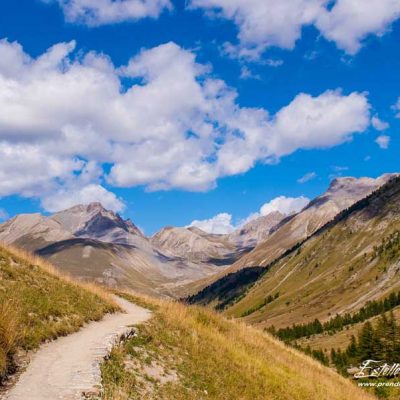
{"x":69,"y":366}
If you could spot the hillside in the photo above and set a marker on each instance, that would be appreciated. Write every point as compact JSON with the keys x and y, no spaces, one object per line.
{"x":38,"y":304}
{"x":341,"y":194}
{"x":353,"y":260}
{"x":340,"y":339}
{"x":195,"y":245}
{"x":256,"y":230}
{"x":95,"y":244}
{"x":192,"y":353}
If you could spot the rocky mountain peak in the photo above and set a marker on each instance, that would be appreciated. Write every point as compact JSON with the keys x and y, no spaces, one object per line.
{"x":191,"y":243}
{"x":256,"y":230}
{"x":96,"y":222}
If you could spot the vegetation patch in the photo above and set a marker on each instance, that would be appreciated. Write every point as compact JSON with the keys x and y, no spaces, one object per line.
{"x":191,"y":353}
{"x":39,"y":304}
{"x":339,"y":322}
{"x":266,"y":301}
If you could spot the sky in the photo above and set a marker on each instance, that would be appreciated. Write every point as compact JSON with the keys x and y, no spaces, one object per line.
{"x":204,"y":112}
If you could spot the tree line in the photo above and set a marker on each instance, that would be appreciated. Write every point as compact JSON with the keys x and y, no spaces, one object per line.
{"x":381,"y":342}
{"x":337,"y":323}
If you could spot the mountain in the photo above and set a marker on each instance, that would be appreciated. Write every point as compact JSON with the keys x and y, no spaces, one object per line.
{"x":351,"y":260}
{"x":342,"y":193}
{"x":256,"y":230}
{"x":32,"y":231}
{"x":93,"y":221}
{"x":92,"y":243}
{"x":195,"y":245}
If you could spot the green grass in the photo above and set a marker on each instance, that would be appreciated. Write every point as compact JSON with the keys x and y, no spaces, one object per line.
{"x":38,"y":304}
{"x":190,"y":353}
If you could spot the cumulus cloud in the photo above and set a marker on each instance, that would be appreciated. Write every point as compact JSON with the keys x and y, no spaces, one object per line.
{"x":383,"y":141}
{"x":65,"y":113}
{"x":351,"y":21}
{"x":65,"y":198}
{"x":266,"y":23}
{"x":307,"y":177}
{"x":82,"y":188}
{"x":285,"y":205}
{"x":378,"y":124}
{"x":220,"y":224}
{"x":100,"y":12}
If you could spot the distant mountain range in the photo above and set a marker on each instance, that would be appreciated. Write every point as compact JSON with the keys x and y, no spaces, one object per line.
{"x":93,"y":243}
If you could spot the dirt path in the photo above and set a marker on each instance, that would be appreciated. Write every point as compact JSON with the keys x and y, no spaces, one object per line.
{"x":69,"y":366}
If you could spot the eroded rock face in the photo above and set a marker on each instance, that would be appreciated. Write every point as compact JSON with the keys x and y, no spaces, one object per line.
{"x":93,"y":221}
{"x":192,"y":243}
{"x":257,"y":230}
{"x":32,"y":231}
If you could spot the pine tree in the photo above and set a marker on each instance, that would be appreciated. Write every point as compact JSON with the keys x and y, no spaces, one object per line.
{"x":365,"y":341}
{"x":352,"y":350}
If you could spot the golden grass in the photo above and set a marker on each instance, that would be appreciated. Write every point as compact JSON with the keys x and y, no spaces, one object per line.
{"x":333,"y":273}
{"x":214,"y":358}
{"x":34,"y":259}
{"x":9,"y":335}
{"x":38,"y":303}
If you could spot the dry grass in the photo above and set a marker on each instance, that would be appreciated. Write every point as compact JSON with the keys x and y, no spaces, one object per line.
{"x":9,"y":335}
{"x":333,"y":273}
{"x":46,"y":266}
{"x":215,"y":358}
{"x":37,"y":303}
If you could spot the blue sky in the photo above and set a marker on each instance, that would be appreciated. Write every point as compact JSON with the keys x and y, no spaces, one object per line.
{"x":177,"y":111}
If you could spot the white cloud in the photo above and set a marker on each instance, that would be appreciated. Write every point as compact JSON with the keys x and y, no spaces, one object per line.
{"x":66,"y":198}
{"x":285,"y":205}
{"x":378,"y":124}
{"x":307,"y":122}
{"x":273,"y":62}
{"x":307,"y":177}
{"x":220,"y":224}
{"x":100,"y":12}
{"x":396,"y":107}
{"x":82,"y":188}
{"x":266,"y":23}
{"x":3,"y":214}
{"x":246,"y":73}
{"x":351,"y":21}
{"x":383,"y":141}
{"x":64,"y":114}
{"x":339,"y":168}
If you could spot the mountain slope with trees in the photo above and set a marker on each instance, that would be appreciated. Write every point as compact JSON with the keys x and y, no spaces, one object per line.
{"x":352,"y":260}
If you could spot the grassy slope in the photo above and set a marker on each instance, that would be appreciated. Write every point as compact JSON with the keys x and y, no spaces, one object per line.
{"x":192,"y":353}
{"x":37,"y":304}
{"x":335,"y":271}
{"x":340,"y":340}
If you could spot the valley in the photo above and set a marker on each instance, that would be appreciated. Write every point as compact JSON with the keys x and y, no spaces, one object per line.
{"x":267,"y":278}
